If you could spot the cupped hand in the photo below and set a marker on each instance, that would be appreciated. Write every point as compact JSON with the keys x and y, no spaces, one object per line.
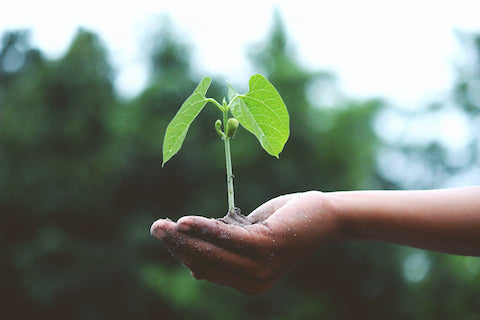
{"x":252,"y":257}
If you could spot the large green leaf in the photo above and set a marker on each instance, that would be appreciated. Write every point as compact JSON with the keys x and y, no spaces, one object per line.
{"x":177,"y":129}
{"x":262,"y":112}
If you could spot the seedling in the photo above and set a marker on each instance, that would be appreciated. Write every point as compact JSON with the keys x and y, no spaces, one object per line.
{"x":261,"y":111}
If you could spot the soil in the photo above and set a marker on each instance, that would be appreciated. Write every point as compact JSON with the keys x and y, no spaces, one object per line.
{"x":236,"y":217}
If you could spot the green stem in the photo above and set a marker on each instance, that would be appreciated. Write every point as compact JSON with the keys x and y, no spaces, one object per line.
{"x":215,"y":103}
{"x":233,"y":99}
{"x":228,"y":161}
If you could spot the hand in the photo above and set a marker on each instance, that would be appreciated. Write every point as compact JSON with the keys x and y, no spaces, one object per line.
{"x":251,"y":258}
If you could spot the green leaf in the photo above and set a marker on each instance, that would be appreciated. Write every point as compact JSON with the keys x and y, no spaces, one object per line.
{"x":178,"y":127}
{"x":262,"y":112}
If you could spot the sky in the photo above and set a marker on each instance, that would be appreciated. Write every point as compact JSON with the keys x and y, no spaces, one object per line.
{"x":372,"y":46}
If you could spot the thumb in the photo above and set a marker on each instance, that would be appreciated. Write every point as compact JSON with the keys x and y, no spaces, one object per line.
{"x":264,"y":211}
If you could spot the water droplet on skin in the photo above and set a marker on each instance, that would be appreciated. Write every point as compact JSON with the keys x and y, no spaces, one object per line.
{"x":224,"y":235}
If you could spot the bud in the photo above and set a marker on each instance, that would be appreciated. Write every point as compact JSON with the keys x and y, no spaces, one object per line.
{"x":232,"y":126}
{"x":218,"y":127}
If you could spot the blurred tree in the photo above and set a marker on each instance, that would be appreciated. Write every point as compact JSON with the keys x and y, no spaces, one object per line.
{"x":331,"y":148}
{"x":16,"y":56}
{"x":467,"y":97}
{"x":331,"y":158}
{"x":436,"y":145}
{"x":467,"y":86}
{"x":82,"y":182}
{"x":57,"y":170}
{"x":320,"y":154}
{"x":451,"y":287}
{"x":415,"y":158}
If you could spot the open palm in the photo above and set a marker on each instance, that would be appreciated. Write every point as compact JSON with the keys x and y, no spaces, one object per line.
{"x":253,"y":255}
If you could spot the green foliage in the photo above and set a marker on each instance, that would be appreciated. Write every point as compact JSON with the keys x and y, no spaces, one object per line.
{"x":178,"y":127}
{"x":262,"y":112}
{"x":81,"y":184}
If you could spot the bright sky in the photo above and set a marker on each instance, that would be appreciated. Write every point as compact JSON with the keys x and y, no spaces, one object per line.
{"x":401,"y":50}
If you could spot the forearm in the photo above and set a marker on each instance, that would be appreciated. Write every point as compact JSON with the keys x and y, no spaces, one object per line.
{"x":446,"y":220}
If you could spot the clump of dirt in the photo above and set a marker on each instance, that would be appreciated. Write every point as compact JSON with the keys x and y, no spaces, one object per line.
{"x":236,"y":217}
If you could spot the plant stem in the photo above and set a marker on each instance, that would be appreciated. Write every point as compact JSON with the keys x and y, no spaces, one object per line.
{"x":215,"y":103}
{"x":228,"y":161}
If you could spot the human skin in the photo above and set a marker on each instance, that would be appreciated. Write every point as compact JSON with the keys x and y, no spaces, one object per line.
{"x":286,"y":229}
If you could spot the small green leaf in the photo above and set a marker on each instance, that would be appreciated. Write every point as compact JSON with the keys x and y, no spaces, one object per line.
{"x":178,"y":127}
{"x":262,"y":112}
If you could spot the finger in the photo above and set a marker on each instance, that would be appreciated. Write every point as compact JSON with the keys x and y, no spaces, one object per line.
{"x":206,"y":261}
{"x":228,"y":236}
{"x":210,"y":262}
{"x":245,"y":284}
{"x":199,"y":255}
{"x":161,"y":227}
{"x":268,"y":208}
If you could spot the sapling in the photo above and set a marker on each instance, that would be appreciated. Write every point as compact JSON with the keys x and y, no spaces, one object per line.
{"x":261,"y":111}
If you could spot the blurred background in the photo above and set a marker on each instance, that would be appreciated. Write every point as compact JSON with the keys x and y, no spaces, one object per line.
{"x":381,"y":95}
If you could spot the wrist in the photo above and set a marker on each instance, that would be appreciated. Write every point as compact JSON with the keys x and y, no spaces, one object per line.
{"x":332,"y":216}
{"x":339,"y":206}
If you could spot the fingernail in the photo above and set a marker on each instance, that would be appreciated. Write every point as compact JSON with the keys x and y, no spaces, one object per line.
{"x":156,"y":231}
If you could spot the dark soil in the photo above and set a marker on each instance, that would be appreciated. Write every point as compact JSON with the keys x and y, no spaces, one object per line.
{"x":236,"y":217}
